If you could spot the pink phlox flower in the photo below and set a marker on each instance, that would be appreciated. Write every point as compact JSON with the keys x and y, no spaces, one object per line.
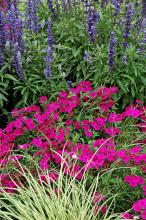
{"x":63,"y":94}
{"x":135,"y":150}
{"x":77,"y":125}
{"x":84,"y":86}
{"x":42,"y":99}
{"x":132,"y":112}
{"x":105,"y":106}
{"x":44,"y":162}
{"x":112,"y":131}
{"x":139,"y":205}
{"x":68,"y":122}
{"x":85,"y":122}
{"x":37,"y":142}
{"x":23,"y":146}
{"x":103,"y":142}
{"x":134,"y":181}
{"x":113,"y":117}
{"x":30,"y":125}
{"x":105,"y":92}
{"x":88,"y":134}
{"x":143,"y":215}
{"x":126,"y":216}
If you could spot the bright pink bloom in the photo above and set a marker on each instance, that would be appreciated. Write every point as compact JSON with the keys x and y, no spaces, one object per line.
{"x":113,"y":117}
{"x":134,"y":181}
{"x":132,"y":112}
{"x":42,"y":99}
{"x":139,"y":205}
{"x":126,"y":216}
{"x":112,"y":131}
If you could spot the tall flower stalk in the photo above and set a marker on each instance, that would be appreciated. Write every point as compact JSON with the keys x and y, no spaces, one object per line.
{"x":144,"y":8}
{"x":49,"y":58}
{"x":111,"y":51}
{"x":128,"y":19}
{"x":35,"y":24}
{"x":126,"y":34}
{"x":29,"y":15}
{"x":17,"y":61}
{"x":92,"y":19}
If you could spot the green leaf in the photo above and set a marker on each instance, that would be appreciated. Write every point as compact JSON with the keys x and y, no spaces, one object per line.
{"x":134,"y":68}
{"x":143,"y":79}
{"x":121,"y":85}
{"x":76,"y":52}
{"x":131,"y":79}
{"x":8,"y":76}
{"x":133,"y":91}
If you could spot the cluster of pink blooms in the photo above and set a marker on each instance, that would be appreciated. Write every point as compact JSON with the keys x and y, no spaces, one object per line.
{"x":56,"y":129}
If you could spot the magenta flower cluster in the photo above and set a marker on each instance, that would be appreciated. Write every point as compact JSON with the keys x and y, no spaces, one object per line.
{"x":80,"y":125}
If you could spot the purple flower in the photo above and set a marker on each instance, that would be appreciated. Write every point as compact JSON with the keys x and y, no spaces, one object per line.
{"x":111,"y":51}
{"x":2,"y":31}
{"x":17,"y":61}
{"x":116,"y":6}
{"x":49,"y":58}
{"x":124,"y":59}
{"x":29,"y":15}
{"x":128,"y":19}
{"x":13,"y":20}
{"x":69,"y":84}
{"x":50,"y":6}
{"x":92,"y":19}
{"x":142,"y":49}
{"x":16,"y":27}
{"x":87,"y":6}
{"x":87,"y":57}
{"x":144,"y":8}
{"x":50,"y":34}
{"x":35,"y":24}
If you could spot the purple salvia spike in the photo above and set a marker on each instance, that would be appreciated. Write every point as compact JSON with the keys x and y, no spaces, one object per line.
{"x":116,"y":6}
{"x":92,"y":19}
{"x":12,"y":19}
{"x":1,"y":40}
{"x":2,"y":30}
{"x":50,"y":34}
{"x":17,"y":61}
{"x":128,"y":19}
{"x":111,"y":51}
{"x":50,"y":6}
{"x":35,"y":25}
{"x":144,"y":8}
{"x":29,"y":15}
{"x":143,"y":41}
{"x":49,"y":58}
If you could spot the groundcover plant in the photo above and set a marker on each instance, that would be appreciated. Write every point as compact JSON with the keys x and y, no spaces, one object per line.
{"x":81,"y":127}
